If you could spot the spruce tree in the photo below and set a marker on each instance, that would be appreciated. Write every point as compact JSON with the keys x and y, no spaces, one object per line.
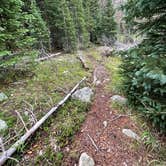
{"x":93,"y":18}
{"x":78,"y":14}
{"x":14,"y":39}
{"x":61,"y":24}
{"x":144,"y":67}
{"x":106,"y":26}
{"x":37,"y":26}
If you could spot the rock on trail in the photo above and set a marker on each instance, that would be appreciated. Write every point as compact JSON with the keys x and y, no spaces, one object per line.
{"x":85,"y":94}
{"x":86,"y":160}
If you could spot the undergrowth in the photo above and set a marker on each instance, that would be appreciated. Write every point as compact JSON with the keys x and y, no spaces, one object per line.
{"x":50,"y":83}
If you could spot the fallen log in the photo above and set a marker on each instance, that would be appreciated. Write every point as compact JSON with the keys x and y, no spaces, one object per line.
{"x":83,"y":61}
{"x":7,"y":154}
{"x":47,"y":57}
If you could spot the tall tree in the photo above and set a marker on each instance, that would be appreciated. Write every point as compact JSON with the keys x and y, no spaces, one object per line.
{"x":61,"y":24}
{"x":78,"y":14}
{"x":106,"y":27}
{"x":37,"y":26}
{"x":14,"y":38}
{"x":144,"y":67}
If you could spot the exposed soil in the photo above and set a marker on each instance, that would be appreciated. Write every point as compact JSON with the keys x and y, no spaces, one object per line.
{"x":114,"y":148}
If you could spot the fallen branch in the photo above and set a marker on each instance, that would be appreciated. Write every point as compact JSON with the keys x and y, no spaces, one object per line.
{"x":93,"y":142}
{"x":3,"y":150}
{"x":47,"y":57}
{"x":14,"y":147}
{"x":21,"y":118}
{"x":82,"y":60}
{"x":119,"y":116}
{"x":31,"y":111}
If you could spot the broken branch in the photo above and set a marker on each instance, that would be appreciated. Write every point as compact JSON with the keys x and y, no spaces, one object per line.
{"x":94,"y":144}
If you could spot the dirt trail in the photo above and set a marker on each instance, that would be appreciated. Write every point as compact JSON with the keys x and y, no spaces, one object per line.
{"x":115,"y":149}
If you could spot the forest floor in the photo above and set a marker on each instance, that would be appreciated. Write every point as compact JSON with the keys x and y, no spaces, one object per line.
{"x":71,"y":131}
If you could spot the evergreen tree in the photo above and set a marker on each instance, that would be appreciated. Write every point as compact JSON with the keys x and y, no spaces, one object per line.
{"x":91,"y":8}
{"x":61,"y":24}
{"x":78,"y":14}
{"x":37,"y":26}
{"x":13,"y":34}
{"x":106,"y":26}
{"x":144,"y":67}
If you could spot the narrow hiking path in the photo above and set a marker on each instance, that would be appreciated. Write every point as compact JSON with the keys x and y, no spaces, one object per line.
{"x":103,"y":126}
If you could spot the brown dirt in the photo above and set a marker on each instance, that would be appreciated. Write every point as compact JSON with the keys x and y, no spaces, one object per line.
{"x":115,"y":149}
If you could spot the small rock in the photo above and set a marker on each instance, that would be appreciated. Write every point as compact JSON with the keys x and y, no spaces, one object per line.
{"x":109,"y":150}
{"x":98,"y":82}
{"x":86,"y":160}
{"x":83,"y":94}
{"x":105,"y":123}
{"x":119,"y":99}
{"x":3,"y":97}
{"x":3,"y":125}
{"x":131,"y":134}
{"x":40,"y":152}
{"x":67,"y":149}
{"x":26,"y":113}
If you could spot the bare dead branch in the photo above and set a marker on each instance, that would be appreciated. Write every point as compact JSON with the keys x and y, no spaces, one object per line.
{"x":94,"y":144}
{"x":20,"y":117}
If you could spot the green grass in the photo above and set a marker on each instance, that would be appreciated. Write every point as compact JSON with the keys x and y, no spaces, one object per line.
{"x":40,"y":92}
{"x":112,"y":65}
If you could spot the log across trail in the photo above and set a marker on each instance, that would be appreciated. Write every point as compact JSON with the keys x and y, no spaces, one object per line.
{"x":7,"y":154}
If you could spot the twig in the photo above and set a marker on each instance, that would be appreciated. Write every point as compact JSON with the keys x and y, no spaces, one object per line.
{"x":17,"y":134}
{"x":119,"y":116}
{"x":19,"y":115}
{"x":93,"y":142}
{"x":48,"y":57}
{"x":11,"y":158}
{"x":31,"y":111}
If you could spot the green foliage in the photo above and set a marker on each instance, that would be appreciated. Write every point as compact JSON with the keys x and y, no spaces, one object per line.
{"x":144,"y":67}
{"x":36,"y":25}
{"x":72,"y":115}
{"x":78,"y":14}
{"x":106,"y":26}
{"x":21,"y":30}
{"x":60,"y":21}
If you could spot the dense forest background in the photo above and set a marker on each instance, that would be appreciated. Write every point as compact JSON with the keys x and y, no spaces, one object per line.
{"x":52,"y":24}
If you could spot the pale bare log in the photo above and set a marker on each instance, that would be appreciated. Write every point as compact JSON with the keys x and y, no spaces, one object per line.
{"x":48,"y":57}
{"x":82,"y":60}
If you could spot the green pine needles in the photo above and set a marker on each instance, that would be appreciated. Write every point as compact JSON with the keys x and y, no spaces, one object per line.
{"x":144,"y":67}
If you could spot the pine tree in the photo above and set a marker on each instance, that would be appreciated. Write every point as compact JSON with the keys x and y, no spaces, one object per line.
{"x":78,"y":14}
{"x":37,"y":26}
{"x":144,"y":68}
{"x":106,"y":27}
{"x":61,"y":24}
{"x":13,"y":38}
{"x":92,"y":18}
